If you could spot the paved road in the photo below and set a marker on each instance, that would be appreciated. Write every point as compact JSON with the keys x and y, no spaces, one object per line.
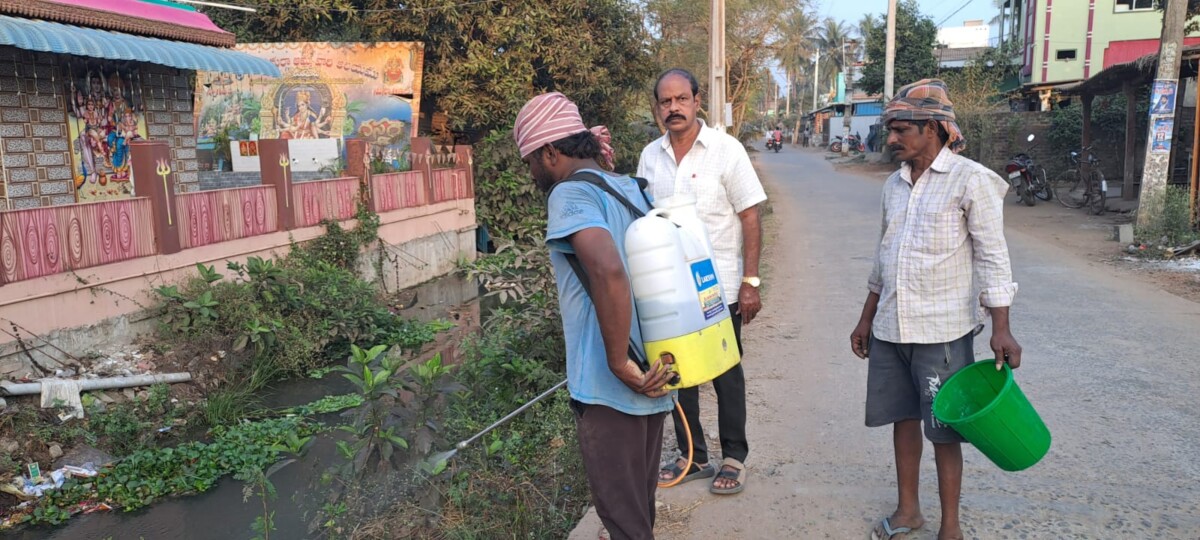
{"x":1111,"y":364}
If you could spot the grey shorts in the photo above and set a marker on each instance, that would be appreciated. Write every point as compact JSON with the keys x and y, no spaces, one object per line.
{"x":902,"y":380}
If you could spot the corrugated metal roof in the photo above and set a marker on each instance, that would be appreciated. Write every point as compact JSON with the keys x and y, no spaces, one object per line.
{"x":45,"y":36}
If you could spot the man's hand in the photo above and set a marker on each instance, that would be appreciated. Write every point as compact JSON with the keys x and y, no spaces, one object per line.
{"x":650,"y":384}
{"x":1003,"y":343}
{"x":1006,"y":348}
{"x":749,"y":303}
{"x":860,"y":338}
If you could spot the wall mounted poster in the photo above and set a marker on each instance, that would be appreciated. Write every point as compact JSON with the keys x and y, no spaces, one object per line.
{"x":1162,"y":100}
{"x":105,"y":114}
{"x":328,"y":91}
{"x":1163,"y":128}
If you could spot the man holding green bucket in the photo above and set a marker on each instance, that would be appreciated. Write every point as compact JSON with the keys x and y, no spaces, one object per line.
{"x":941,"y":265}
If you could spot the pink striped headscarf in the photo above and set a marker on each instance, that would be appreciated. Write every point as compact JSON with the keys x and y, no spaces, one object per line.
{"x":552,"y":117}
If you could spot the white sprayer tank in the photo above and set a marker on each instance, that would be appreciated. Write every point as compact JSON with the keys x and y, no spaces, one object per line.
{"x":680,"y":303}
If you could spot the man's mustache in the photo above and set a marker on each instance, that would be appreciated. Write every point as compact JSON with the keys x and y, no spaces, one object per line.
{"x":674,"y":117}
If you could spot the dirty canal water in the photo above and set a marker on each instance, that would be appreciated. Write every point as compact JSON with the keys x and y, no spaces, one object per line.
{"x":223,"y":512}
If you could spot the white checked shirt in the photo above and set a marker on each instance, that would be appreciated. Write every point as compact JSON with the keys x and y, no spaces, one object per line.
{"x":942,"y":256}
{"x":718,"y":173}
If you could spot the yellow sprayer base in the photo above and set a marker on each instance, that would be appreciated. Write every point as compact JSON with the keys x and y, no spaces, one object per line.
{"x":700,"y":356}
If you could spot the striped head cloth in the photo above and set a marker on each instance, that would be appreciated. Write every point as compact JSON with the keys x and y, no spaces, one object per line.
{"x":552,"y":117}
{"x":927,"y":99}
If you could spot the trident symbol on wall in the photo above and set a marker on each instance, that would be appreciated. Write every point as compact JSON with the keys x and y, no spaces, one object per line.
{"x":284,"y":163}
{"x":163,"y":170}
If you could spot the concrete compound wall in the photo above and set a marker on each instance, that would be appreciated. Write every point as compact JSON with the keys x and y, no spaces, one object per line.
{"x":1010,"y":131}
{"x":105,"y":306}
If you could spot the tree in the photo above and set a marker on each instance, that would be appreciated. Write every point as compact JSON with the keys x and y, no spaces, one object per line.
{"x":838,"y":48}
{"x":914,"y":58}
{"x":483,"y":60}
{"x":755,"y":32}
{"x":1193,"y":11}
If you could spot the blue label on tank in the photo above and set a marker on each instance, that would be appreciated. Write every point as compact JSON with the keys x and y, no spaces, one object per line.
{"x":708,"y":289}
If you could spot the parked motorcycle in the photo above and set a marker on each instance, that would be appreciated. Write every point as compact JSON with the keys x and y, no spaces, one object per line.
{"x":855,"y":142}
{"x":1027,"y":178}
{"x":774,"y":144}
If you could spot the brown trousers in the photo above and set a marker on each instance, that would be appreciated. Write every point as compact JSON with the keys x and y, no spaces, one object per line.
{"x":621,"y":453}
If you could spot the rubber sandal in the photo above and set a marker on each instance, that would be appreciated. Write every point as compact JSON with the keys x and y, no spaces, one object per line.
{"x":702,"y":471}
{"x":738,"y":476}
{"x":890,"y":533}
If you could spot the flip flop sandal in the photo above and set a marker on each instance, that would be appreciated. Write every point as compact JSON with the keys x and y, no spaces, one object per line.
{"x":701,"y":471}
{"x":738,"y":475}
{"x":888,"y":532}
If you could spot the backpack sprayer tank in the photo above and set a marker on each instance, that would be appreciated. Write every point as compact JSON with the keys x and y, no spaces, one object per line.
{"x":680,"y":303}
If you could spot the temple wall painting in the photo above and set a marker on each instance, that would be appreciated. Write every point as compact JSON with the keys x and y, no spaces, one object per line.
{"x":328,"y":92}
{"x":105,"y":112}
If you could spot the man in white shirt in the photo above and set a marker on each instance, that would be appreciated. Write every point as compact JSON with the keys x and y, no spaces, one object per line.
{"x":941,"y":260}
{"x":712,"y":166}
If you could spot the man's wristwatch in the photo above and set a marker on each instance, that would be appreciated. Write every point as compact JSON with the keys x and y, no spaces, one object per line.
{"x":752,"y":281}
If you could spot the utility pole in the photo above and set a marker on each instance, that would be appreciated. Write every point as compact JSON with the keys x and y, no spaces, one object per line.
{"x":1003,"y":12}
{"x":788,"y":105}
{"x":848,"y":115}
{"x":1156,"y":171}
{"x":889,"y":66}
{"x":716,"y":63}
{"x":816,"y":77}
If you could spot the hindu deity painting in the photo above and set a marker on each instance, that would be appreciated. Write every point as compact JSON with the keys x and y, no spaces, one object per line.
{"x":327,"y":92}
{"x":105,"y":116}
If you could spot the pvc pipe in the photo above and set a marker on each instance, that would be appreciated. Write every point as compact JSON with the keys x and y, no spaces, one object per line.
{"x":25,"y":389}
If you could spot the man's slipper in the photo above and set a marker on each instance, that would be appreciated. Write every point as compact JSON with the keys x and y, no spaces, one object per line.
{"x":737,"y":475}
{"x":698,"y":471}
{"x":885,"y":531}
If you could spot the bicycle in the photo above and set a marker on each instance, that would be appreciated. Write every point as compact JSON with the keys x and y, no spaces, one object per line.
{"x":1078,"y":188}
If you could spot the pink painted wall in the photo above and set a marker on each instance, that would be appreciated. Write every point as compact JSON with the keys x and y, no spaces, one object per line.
{"x":86,"y":297}
{"x":43,"y":241}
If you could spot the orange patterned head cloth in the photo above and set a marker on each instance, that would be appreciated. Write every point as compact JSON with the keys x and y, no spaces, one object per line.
{"x":553,"y":117}
{"x":927,"y":100}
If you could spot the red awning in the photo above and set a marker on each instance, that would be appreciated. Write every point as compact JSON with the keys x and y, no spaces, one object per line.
{"x":1122,"y":52}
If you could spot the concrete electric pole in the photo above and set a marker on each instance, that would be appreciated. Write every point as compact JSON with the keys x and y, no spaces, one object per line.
{"x":889,"y":66}
{"x":716,"y":62}
{"x":848,"y":114}
{"x":1164,"y":99}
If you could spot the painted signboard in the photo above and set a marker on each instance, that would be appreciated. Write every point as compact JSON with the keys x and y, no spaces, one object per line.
{"x":105,"y":114}
{"x":328,"y":92}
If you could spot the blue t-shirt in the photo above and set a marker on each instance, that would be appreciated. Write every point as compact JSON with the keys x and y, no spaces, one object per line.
{"x":573,"y":207}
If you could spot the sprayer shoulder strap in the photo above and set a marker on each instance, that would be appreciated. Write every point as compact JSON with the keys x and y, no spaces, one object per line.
{"x":634,"y":351}
{"x":596,"y":180}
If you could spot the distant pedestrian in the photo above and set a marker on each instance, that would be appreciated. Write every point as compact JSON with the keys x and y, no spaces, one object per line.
{"x":941,"y":259}
{"x":619,"y":409}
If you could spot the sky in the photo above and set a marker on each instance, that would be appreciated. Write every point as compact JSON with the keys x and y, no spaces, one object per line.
{"x":938,"y":10}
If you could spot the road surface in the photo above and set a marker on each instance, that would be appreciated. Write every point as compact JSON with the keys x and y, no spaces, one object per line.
{"x":1110,"y":362}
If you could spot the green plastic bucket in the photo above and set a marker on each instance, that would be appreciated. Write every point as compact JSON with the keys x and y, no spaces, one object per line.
{"x":989,"y":410}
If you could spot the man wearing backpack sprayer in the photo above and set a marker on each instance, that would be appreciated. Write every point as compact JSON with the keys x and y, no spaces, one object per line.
{"x":941,"y":260}
{"x":709,"y":164}
{"x":619,"y":407}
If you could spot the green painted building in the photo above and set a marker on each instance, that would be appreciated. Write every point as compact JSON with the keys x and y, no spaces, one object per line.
{"x":1064,"y":41}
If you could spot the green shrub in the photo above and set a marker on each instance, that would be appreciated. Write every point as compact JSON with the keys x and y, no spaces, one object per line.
{"x":1170,"y":223}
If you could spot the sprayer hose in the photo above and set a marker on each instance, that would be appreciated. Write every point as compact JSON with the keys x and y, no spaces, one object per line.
{"x":687,"y":429}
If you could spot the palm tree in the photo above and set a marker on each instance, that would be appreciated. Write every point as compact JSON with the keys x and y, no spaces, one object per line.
{"x":795,"y":49}
{"x":867,"y":24}
{"x":830,"y":38}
